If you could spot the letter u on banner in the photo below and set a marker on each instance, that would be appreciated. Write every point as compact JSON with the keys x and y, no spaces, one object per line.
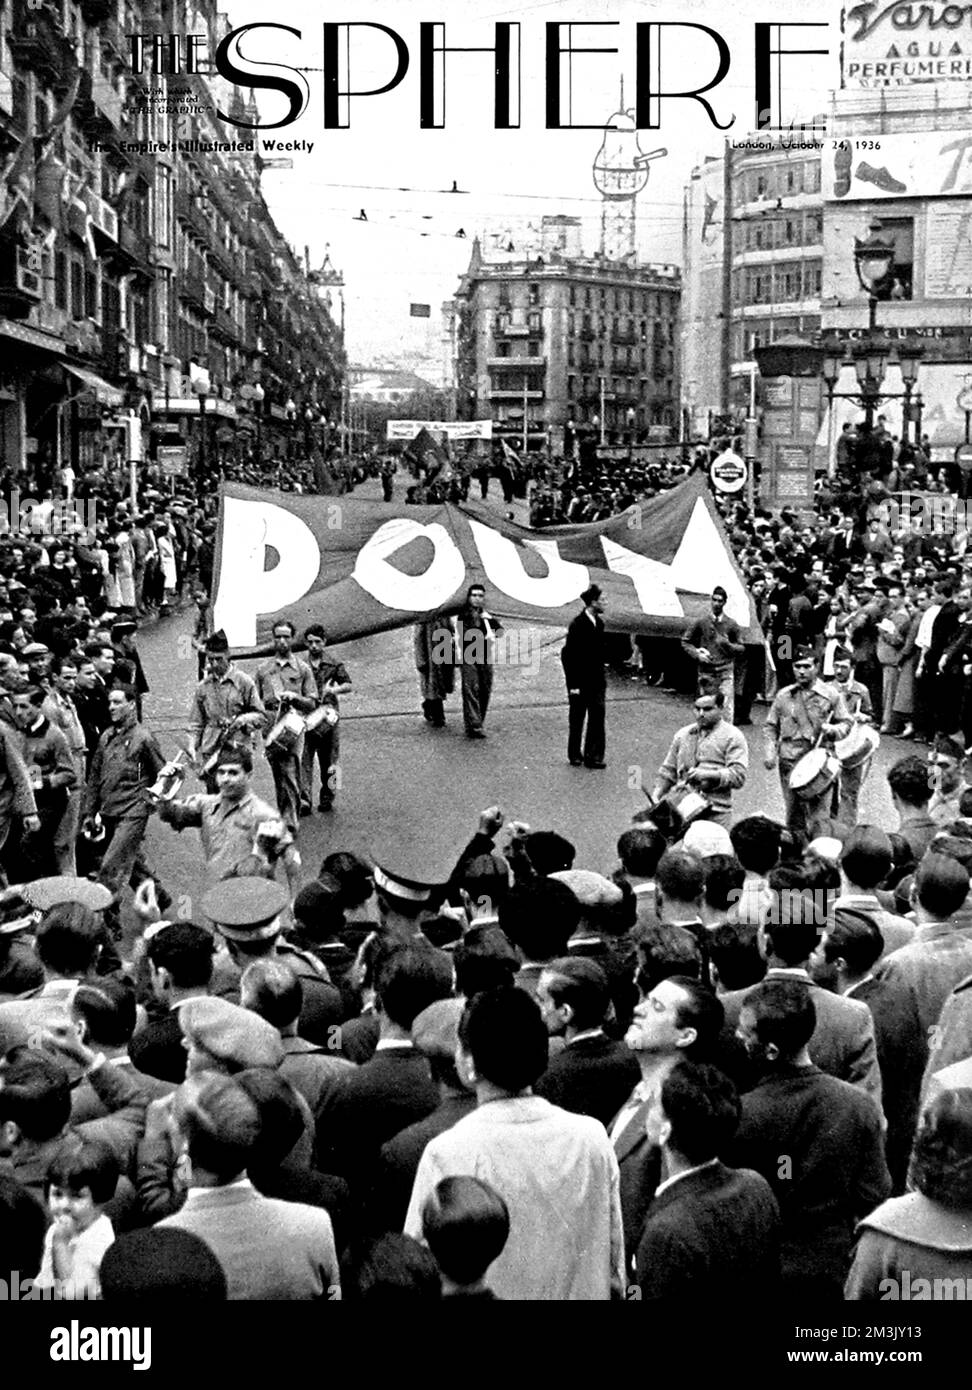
{"x":502,"y":560}
{"x":419,"y":593}
{"x":249,"y":528}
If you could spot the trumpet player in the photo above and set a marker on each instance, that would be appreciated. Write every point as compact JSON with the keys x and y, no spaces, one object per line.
{"x":710,"y":755}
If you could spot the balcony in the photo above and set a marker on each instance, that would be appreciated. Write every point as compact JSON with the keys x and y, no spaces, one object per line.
{"x":187,"y":211}
{"x":587,"y":335}
{"x":97,"y":11}
{"x":625,"y":369}
{"x":104,"y":218}
{"x":37,"y":41}
{"x":223,"y":326}
{"x":84,"y":336}
{"x":514,"y":393}
{"x":134,"y":251}
{"x":20,"y":280}
{"x":192,"y":288}
{"x":624,"y":339}
{"x":505,"y":329}
{"x":517,"y":363}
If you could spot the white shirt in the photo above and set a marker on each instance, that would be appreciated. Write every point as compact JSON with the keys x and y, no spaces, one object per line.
{"x":559,"y":1177}
{"x":87,"y":1250}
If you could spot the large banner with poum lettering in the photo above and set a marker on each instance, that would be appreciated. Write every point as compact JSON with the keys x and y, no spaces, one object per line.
{"x":361,"y":567}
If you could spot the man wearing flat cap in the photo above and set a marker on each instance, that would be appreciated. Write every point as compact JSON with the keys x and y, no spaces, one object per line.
{"x":582,"y":658}
{"x":246,"y":913}
{"x":225,"y":708}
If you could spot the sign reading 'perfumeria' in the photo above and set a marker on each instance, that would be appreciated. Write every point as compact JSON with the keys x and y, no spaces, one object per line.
{"x":892,"y":45}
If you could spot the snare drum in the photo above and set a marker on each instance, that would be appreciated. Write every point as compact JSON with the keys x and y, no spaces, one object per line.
{"x":860,"y":744}
{"x":323,"y":718}
{"x":813,"y":774}
{"x":285,"y":734}
{"x":675,"y":812}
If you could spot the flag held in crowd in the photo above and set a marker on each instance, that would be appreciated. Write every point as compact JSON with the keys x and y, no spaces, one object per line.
{"x":362,"y":567}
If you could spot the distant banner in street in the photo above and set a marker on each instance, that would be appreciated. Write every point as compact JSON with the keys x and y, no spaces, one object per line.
{"x":362,"y":567}
{"x":452,"y":429}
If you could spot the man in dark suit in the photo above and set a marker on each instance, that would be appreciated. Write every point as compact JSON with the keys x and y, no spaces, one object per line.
{"x":395,"y":1087}
{"x":180,"y":957}
{"x":435,"y":1034}
{"x":582,"y":658}
{"x":843,"y":1041}
{"x":816,"y":1140}
{"x":709,"y":1227}
{"x":849,"y":953}
{"x":675,"y":1019}
{"x":593,"y":1075}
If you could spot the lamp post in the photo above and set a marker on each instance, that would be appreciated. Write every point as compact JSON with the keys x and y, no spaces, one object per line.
{"x":629,"y":416}
{"x":569,"y":441}
{"x":909,"y":358}
{"x":869,"y":358}
{"x":873,"y":259}
{"x":603,"y":413}
{"x":200,"y":384}
{"x":290,"y":412}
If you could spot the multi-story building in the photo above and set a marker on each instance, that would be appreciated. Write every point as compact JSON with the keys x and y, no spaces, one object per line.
{"x":145,"y":292}
{"x":900,"y":167}
{"x":558,"y":346}
{"x":753,"y":257}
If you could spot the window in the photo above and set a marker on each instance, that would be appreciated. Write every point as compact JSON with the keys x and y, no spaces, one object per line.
{"x":534,"y":323}
{"x":533,"y":348}
{"x":534,"y":294}
{"x":572,"y":297}
{"x":571,"y":324}
{"x":570,"y":354}
{"x":901,"y":230}
{"x":60,"y":280}
{"x":502,"y":349}
{"x":77,"y":289}
{"x":570,"y":388}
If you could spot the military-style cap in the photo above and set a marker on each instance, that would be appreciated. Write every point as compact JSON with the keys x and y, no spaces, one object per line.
{"x":216,"y":643}
{"x":246,"y":909}
{"x":36,"y":649}
{"x":48,"y":892}
{"x":124,"y":628}
{"x":399,"y":886}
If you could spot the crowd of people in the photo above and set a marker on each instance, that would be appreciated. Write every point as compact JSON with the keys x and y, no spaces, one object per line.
{"x":739,"y":1056}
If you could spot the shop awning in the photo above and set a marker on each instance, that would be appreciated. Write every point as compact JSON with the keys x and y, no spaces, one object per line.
{"x":103,"y":392}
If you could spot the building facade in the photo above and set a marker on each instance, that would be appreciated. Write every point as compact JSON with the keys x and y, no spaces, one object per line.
{"x":903,"y":168}
{"x":753,"y":266}
{"x":556,"y":347}
{"x":147,"y":300}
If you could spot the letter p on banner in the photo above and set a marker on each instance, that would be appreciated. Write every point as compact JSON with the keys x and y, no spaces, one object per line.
{"x":254,"y":534}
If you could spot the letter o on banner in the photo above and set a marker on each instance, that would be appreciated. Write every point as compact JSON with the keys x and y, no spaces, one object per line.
{"x":421,"y":593}
{"x":248,"y":529}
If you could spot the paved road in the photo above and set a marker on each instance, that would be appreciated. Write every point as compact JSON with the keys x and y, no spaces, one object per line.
{"x":412,"y":794}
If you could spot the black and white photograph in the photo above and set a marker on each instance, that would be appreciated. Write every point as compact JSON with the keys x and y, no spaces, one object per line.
{"x":485,"y":628}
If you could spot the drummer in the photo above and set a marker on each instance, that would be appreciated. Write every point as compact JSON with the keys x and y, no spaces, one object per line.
{"x":285,"y":684}
{"x":225,"y":703}
{"x":321,"y":744}
{"x":857,"y":698}
{"x":709,"y":755}
{"x":804,"y":715}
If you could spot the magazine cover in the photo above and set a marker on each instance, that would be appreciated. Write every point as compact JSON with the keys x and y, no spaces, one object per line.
{"x":485,"y":662}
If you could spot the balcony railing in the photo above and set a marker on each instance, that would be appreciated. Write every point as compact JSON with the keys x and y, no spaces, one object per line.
{"x":37,"y":41}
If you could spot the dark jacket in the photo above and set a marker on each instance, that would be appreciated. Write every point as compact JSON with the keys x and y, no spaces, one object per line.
{"x":713,"y":1230}
{"x":157,"y":1049}
{"x":593,"y":1076}
{"x":583,"y":654}
{"x":400,"y":1158}
{"x":819,"y":1144}
{"x":372,"y":1105}
{"x":126,"y":763}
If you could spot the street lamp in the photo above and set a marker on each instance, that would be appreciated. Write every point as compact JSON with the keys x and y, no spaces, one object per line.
{"x":873,"y":259}
{"x":200,"y":384}
{"x":909,"y":358}
{"x":870,"y":357}
{"x":259,"y":395}
{"x":571,"y":427}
